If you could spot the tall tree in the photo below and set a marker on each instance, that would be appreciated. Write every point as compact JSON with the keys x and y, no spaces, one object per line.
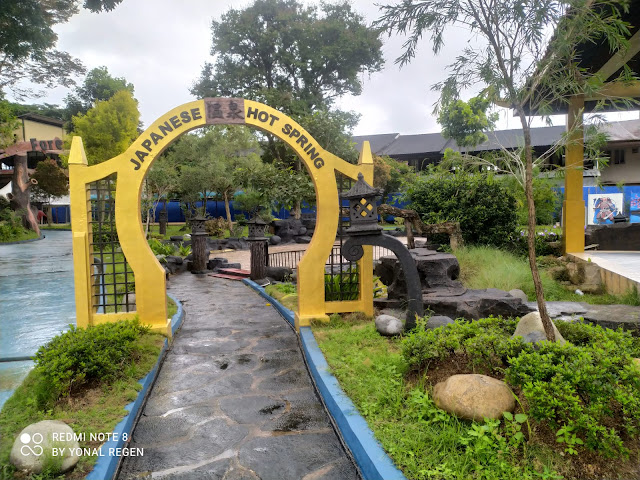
{"x":298,"y":59}
{"x":281,"y":47}
{"x":98,"y":86}
{"x":515,"y":63}
{"x":27,"y":43}
{"x":207,"y":163}
{"x":108,"y":128}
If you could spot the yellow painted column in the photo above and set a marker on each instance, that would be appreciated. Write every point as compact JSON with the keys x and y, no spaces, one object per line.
{"x":79,"y":200}
{"x":573,"y":212}
{"x":365,"y":264}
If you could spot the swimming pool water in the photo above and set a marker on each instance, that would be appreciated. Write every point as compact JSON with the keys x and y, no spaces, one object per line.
{"x":36,"y":301}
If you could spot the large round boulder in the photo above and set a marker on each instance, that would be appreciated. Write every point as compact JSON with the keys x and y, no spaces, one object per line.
{"x":530,"y":328}
{"x":516,"y":292}
{"x":33,"y":447}
{"x":436,"y":321}
{"x":474,"y":397}
{"x":389,"y":326}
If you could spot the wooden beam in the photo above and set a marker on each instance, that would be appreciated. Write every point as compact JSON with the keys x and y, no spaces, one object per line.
{"x":620,"y":58}
{"x":617,"y":90}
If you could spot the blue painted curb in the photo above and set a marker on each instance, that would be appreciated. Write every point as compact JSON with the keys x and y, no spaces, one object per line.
{"x":373,"y":462}
{"x":285,"y":312}
{"x":107,"y":464}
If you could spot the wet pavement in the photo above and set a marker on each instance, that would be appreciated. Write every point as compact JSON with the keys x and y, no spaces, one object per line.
{"x":233,"y":400}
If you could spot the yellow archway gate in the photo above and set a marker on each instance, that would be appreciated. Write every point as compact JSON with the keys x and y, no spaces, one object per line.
{"x":129,"y":170}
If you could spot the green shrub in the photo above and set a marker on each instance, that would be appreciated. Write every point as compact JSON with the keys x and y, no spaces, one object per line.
{"x":587,"y":391}
{"x":160,"y":248}
{"x":482,"y":205}
{"x":10,"y":223}
{"x":216,"y":227}
{"x":545,"y":198}
{"x":184,"y":250}
{"x":104,"y":233}
{"x":485,"y":342}
{"x":341,"y":286}
{"x":84,"y":357}
{"x":547,"y":243}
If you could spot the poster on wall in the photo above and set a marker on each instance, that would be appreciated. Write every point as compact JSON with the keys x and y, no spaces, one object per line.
{"x":603,"y":207}
{"x":634,"y":207}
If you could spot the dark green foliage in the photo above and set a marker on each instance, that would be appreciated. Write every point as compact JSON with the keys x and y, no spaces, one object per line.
{"x":547,"y":243}
{"x":104,"y":233}
{"x":161,"y":248}
{"x":590,"y":390}
{"x":545,"y":198}
{"x":484,"y":208}
{"x":587,"y":391}
{"x":466,"y":122}
{"x":341,"y":286}
{"x":486,"y":342}
{"x":10,"y":223}
{"x":83,"y":357}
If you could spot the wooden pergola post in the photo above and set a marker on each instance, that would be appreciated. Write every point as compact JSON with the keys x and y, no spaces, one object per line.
{"x":573,"y":211}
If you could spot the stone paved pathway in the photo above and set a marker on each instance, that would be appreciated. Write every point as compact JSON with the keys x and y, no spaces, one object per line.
{"x":233,"y":400}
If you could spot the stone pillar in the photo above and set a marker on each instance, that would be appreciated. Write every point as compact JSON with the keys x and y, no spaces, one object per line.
{"x":259,"y":252}
{"x":162,"y":218}
{"x":199,"y":245}
{"x":258,"y":260}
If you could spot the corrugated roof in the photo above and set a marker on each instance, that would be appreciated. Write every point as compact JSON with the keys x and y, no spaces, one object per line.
{"x":627,"y":131}
{"x":36,"y":117}
{"x":434,"y":143}
{"x":412,"y":144}
{"x":514,"y":138}
{"x":377,"y":142}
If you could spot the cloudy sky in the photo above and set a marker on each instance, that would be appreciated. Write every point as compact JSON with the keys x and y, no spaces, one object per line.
{"x":161,"y":45}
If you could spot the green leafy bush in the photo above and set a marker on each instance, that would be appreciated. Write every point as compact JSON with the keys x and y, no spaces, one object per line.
{"x":482,"y":205}
{"x":160,"y":248}
{"x":547,"y":243}
{"x":342,"y":286}
{"x":184,"y":250}
{"x":215,"y":227}
{"x":104,"y":233}
{"x":10,"y":223}
{"x":587,"y":391}
{"x":545,"y":198}
{"x":485,"y":342}
{"x":83,"y":357}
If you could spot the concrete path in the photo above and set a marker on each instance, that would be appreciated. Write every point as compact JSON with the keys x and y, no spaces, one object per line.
{"x":233,"y":400}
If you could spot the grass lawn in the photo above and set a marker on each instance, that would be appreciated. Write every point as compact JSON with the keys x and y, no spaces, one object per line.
{"x":285,"y":293}
{"x":23,"y":235}
{"x":56,"y":226}
{"x":422,"y":440}
{"x":425,"y":442}
{"x":486,"y":267}
{"x":96,"y":409}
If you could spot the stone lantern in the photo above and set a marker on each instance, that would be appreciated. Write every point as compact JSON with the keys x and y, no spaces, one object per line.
{"x":259,"y":251}
{"x":199,"y":245}
{"x":363,"y":211}
{"x":256,"y":229}
{"x":364,"y":230}
{"x":163,"y":217}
